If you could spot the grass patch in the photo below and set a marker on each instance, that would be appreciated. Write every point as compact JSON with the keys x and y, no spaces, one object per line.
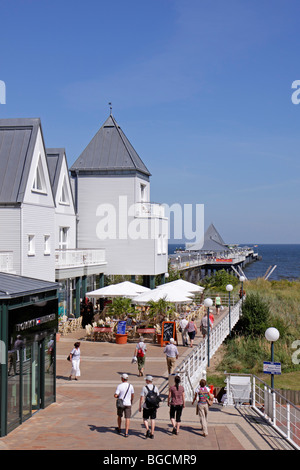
{"x":270,"y":303}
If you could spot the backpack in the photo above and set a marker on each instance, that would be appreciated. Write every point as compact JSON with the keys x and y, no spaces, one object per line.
{"x":152,"y":399}
{"x":140,"y":353}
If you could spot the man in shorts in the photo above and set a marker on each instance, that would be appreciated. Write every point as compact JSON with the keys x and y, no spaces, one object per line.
{"x":148,"y":413}
{"x":124,"y":391}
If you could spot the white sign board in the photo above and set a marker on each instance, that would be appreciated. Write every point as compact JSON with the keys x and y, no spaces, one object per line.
{"x":272,"y":368}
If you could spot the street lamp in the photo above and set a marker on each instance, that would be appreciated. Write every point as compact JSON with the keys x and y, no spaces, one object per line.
{"x":208,"y":303}
{"x":229,"y":288}
{"x":242,"y":279}
{"x":272,"y":335}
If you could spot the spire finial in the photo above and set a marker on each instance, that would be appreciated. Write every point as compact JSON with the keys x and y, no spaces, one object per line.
{"x":110,"y":107}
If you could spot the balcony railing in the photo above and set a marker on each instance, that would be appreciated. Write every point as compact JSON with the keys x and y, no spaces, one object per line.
{"x":149,"y":209}
{"x":77,"y":258}
{"x":6,"y":261}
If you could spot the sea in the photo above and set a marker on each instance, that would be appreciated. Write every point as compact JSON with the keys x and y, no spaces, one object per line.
{"x":285,"y":257}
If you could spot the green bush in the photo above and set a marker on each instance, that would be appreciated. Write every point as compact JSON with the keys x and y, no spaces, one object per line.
{"x":255,"y":316}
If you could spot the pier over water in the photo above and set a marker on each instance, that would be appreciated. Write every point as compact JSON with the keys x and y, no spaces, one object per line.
{"x":200,"y":260}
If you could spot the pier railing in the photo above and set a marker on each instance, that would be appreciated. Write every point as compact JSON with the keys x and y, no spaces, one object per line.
{"x":194,"y":365}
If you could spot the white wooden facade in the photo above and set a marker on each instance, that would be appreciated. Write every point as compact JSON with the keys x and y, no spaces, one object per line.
{"x":26,"y":224}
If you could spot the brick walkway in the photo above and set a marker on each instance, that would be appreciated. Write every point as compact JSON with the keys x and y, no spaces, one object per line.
{"x":84,"y":415}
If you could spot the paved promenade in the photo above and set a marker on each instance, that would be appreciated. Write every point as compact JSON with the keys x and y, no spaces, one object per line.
{"x":84,"y":415}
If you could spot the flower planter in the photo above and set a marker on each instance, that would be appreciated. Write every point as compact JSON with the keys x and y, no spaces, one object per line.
{"x":104,"y":329}
{"x":121,"y":339}
{"x":146,"y":330}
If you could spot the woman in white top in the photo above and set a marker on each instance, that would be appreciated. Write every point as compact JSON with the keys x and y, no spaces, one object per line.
{"x":75,"y":358}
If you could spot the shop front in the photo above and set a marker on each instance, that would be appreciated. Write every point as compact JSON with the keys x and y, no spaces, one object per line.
{"x":28,"y":326}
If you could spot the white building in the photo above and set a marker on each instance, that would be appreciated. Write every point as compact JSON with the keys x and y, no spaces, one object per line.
{"x":102,"y":223}
{"x":27,"y":208}
{"x":37,"y":217}
{"x":112,"y":196}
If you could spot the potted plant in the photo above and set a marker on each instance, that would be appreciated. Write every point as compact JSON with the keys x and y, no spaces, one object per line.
{"x":120,"y":308}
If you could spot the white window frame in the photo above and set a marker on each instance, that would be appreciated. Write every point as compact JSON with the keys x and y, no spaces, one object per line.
{"x":31,"y":245}
{"x":64,"y":195}
{"x":47,"y":245}
{"x":143,"y":189}
{"x":39,"y":182}
{"x":63,"y":240}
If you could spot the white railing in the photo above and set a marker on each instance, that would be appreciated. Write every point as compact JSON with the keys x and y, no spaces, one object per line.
{"x":279,"y":412}
{"x":6,"y":261}
{"x":194,"y":365}
{"x":74,"y":258}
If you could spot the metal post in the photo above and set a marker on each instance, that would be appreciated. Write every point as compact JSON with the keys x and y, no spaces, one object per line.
{"x":272,"y":360}
{"x":208,"y":337}
{"x":242,"y":293}
{"x":229,"y":314}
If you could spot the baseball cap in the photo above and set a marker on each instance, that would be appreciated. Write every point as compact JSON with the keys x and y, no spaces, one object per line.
{"x":172,"y":340}
{"x":149,"y":377}
{"x":124,"y":376}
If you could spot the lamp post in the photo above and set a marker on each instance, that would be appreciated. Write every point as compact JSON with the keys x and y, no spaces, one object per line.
{"x":242,"y":279}
{"x":272,"y":335}
{"x":229,"y":288}
{"x":208,"y":303}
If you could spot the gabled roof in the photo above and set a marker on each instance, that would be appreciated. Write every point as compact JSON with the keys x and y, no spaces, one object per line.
{"x":17,"y":141}
{"x":109,"y":150}
{"x":212,"y":242}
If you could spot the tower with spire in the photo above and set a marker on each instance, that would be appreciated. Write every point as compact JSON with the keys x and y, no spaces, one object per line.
{"x":111,"y":185}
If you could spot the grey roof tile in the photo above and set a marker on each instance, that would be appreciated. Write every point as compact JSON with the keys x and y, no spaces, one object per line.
{"x":109,"y":150}
{"x":17,"y":140}
{"x":12,"y":285}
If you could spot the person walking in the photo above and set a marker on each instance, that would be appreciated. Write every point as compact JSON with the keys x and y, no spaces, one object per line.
{"x":204,"y":399}
{"x":218,"y":304}
{"x":182,"y":325}
{"x":176,"y":401}
{"x":192,"y":330}
{"x":149,"y":403}
{"x":171,"y":353}
{"x":75,"y":360}
{"x":125,"y":392}
{"x":204,"y":325}
{"x":140,"y":354}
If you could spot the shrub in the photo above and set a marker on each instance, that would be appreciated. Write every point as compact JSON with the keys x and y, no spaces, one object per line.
{"x":255,"y":316}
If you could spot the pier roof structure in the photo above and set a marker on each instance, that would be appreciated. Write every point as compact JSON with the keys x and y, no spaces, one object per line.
{"x":110,"y":150}
{"x":213,"y":242}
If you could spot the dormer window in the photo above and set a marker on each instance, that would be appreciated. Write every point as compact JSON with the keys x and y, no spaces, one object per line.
{"x":39,"y":184}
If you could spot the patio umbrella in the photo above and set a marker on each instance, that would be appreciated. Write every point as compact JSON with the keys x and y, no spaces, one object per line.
{"x":182,"y":286}
{"x":123,"y":289}
{"x":157,"y":294}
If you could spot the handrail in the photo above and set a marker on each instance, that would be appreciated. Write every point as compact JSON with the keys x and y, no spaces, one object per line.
{"x":194,"y":364}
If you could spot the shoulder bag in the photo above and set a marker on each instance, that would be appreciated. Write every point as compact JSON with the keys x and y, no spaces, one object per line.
{"x":120,"y":401}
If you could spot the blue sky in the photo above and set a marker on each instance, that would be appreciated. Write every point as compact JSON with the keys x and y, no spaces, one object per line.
{"x":201,"y":89}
